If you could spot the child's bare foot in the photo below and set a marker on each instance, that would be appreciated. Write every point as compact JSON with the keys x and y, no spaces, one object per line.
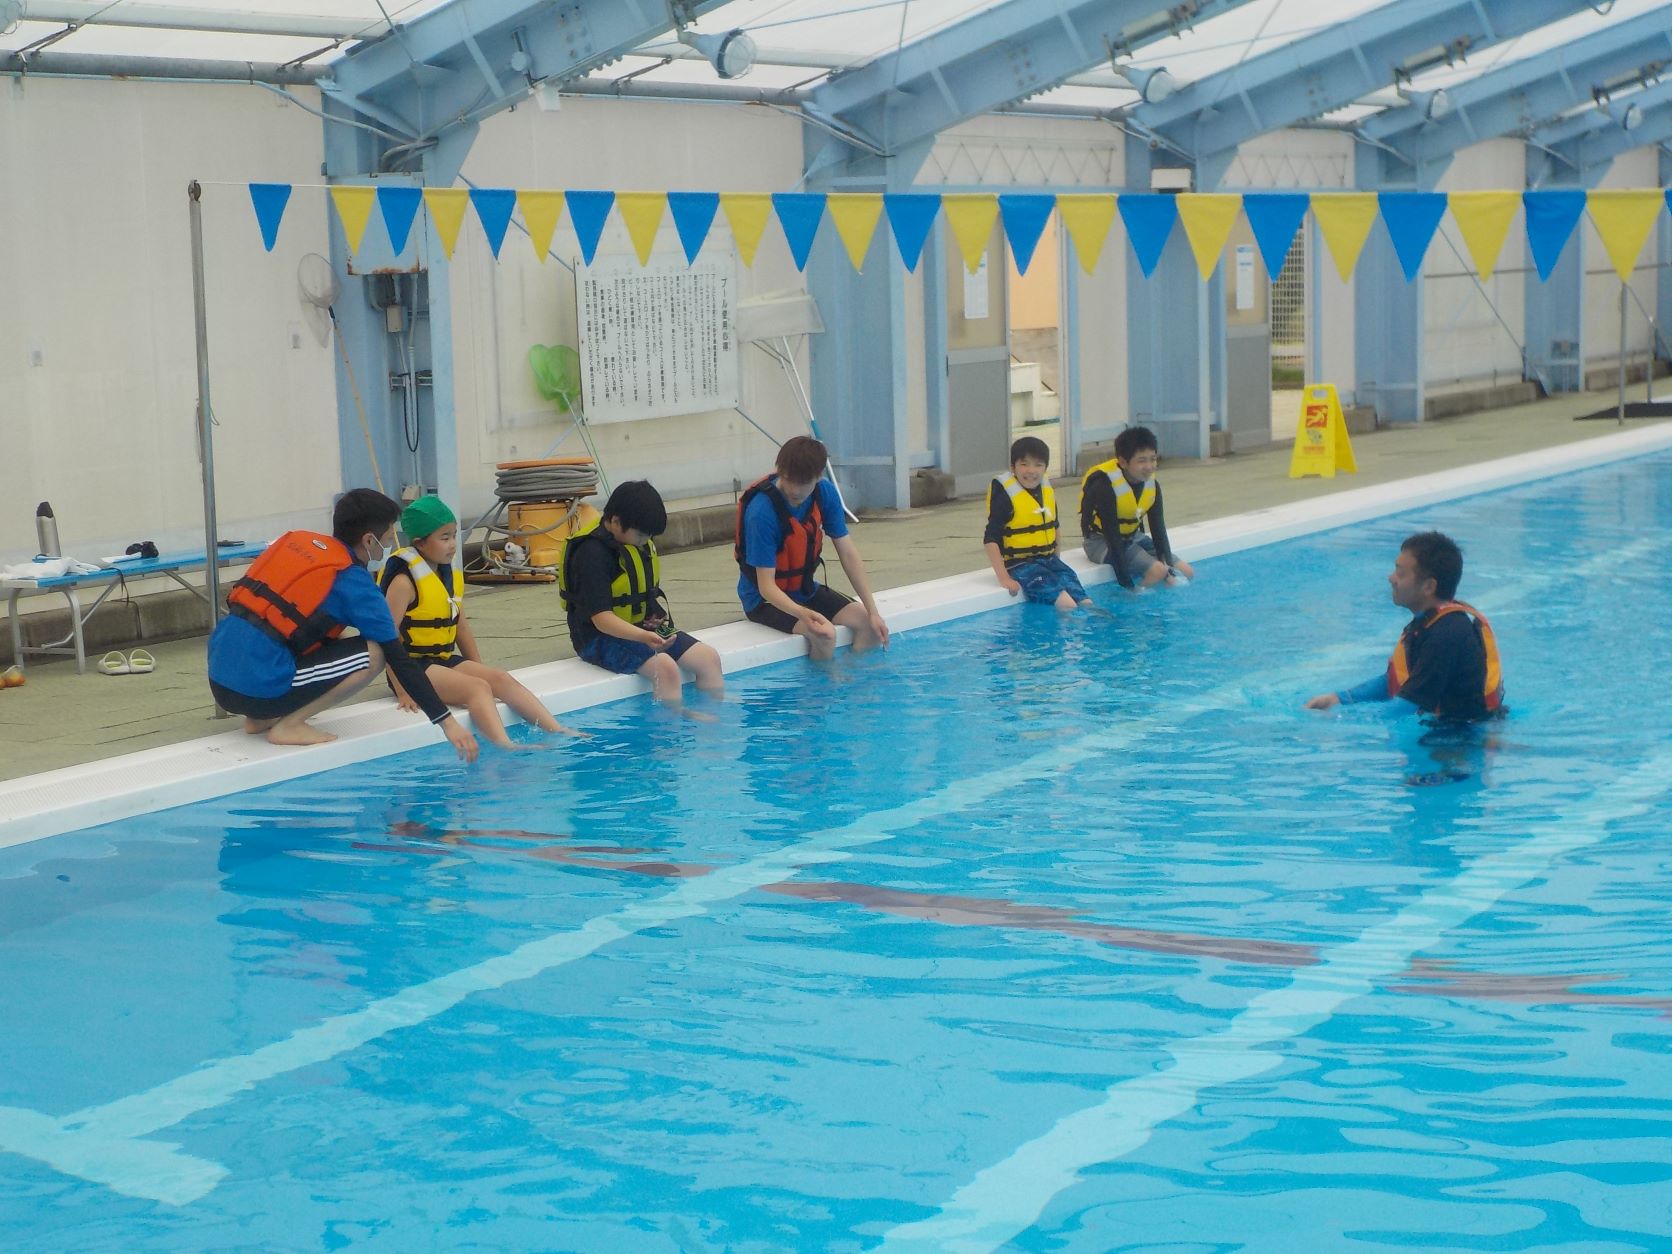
{"x":558,"y":729}
{"x":255,"y":726}
{"x":696,"y":716}
{"x":298,"y":734}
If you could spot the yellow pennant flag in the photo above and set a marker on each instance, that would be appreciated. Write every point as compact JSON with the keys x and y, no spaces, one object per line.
{"x":747,"y":212}
{"x":540,"y":211}
{"x":642,"y":212}
{"x":1484,"y":218}
{"x":1345,"y":219}
{"x":972,"y":216}
{"x":1087,"y":218}
{"x":855,"y":215}
{"x":447,"y":206}
{"x":1624,"y":220}
{"x":1208,"y":218}
{"x":354,"y":207}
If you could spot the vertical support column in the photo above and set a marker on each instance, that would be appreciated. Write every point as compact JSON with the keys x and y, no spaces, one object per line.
{"x":1389,"y":361}
{"x":1663,"y":276}
{"x":939,"y":413}
{"x":1554,"y":310}
{"x":1069,"y":393}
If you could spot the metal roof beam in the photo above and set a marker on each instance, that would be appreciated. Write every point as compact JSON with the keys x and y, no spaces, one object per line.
{"x":1590,"y":121}
{"x":1588,"y":156}
{"x":1517,"y":97}
{"x":1332,"y":68}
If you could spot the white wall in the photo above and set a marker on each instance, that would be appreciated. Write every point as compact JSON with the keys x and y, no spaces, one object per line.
{"x":1639,"y":168}
{"x":500,"y":310}
{"x":94,"y":248}
{"x":1305,"y":160}
{"x":1463,"y":341}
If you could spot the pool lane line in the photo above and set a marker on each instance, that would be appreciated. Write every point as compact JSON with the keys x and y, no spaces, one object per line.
{"x":106,"y":1144}
{"x":1005,"y":1199}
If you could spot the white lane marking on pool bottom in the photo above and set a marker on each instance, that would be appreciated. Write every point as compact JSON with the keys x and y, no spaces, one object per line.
{"x":1007,"y":1198}
{"x":102,"y":1143}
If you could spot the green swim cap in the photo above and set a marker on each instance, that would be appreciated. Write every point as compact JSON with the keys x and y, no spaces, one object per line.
{"x":425,"y":515}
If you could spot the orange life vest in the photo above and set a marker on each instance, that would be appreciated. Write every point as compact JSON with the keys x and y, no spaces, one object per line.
{"x":284,"y":588}
{"x":799,"y":539}
{"x":1399,"y":667}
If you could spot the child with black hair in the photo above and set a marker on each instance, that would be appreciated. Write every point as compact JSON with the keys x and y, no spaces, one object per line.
{"x":1021,"y":535}
{"x":1120,"y":500}
{"x":610,"y":580}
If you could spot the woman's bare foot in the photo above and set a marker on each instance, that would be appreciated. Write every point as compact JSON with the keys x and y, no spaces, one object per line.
{"x":283,"y":733}
{"x":255,"y":726}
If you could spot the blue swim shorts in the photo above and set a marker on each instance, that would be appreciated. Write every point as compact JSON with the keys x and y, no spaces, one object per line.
{"x":624,"y":657}
{"x":1045,"y":578}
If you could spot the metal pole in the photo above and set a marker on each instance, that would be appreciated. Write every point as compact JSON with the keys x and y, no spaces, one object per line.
{"x":1649,"y":377}
{"x":1622,"y":415}
{"x":786,"y":359}
{"x":205,"y":419}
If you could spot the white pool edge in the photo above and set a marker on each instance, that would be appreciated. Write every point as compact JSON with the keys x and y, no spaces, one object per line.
{"x":76,"y":797}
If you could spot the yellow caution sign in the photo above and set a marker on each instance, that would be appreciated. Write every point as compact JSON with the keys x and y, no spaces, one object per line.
{"x":1321,"y":443}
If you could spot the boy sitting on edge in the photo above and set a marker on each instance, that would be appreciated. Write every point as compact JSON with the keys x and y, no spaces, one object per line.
{"x":782,"y":520}
{"x":1021,"y":535}
{"x":425,"y":592}
{"x":610,"y":580}
{"x":1119,"y":499}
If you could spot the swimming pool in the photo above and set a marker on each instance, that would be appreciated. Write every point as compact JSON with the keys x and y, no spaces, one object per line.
{"x":1037,"y":932}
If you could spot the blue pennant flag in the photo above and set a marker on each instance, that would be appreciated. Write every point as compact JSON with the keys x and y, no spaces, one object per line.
{"x":269,"y":200}
{"x":1024,"y":220}
{"x":1149,"y":219}
{"x":399,"y":206}
{"x":494,"y":206}
{"x":693,"y":214}
{"x":588,"y":211}
{"x":1411,"y":218}
{"x":1551,"y":217}
{"x":911,"y":216}
{"x":1275,"y":217}
{"x":799,"y":213}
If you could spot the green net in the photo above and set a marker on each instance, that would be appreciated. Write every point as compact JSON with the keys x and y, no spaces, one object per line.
{"x":557,"y":374}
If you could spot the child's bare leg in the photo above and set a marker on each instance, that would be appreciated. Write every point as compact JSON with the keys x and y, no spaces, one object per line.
{"x":858,"y":621}
{"x":1065,"y":600}
{"x":819,"y":648}
{"x":1155,"y":574}
{"x":293,"y":728}
{"x":506,"y":688}
{"x":474,"y":694}
{"x":704,"y":663}
{"x":665,"y":681}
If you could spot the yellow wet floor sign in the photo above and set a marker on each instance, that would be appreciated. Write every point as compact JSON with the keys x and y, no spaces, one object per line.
{"x":1321,"y":443}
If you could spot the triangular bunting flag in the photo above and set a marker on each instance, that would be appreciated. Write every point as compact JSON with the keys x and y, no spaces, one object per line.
{"x":1208,"y":218}
{"x":1087,"y":217}
{"x":1411,"y":218}
{"x":1551,"y":217}
{"x":1624,"y":220}
{"x":447,"y":206}
{"x":642,"y":212}
{"x":693,"y":215}
{"x":747,"y":214}
{"x":855,"y":215}
{"x":1275,"y":218}
{"x":399,"y":206}
{"x":1344,"y":220}
{"x":588,"y":211}
{"x":1149,"y":221}
{"x":540,"y":211}
{"x":354,"y":207}
{"x":268,"y":200}
{"x":911,"y":216}
{"x":494,"y":206}
{"x":799,"y":214}
{"x":971,"y":216}
{"x":1024,"y":222}
{"x":1484,"y":219}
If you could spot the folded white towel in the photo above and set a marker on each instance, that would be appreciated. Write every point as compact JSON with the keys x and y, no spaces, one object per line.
{"x":44,"y":568}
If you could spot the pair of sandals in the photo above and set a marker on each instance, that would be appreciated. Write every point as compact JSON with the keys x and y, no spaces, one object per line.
{"x":12,"y":677}
{"x":139,"y":662}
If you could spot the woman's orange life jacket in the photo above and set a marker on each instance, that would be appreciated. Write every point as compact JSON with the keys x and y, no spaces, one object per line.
{"x":284,"y":589}
{"x":1399,"y":667}
{"x":799,"y":539}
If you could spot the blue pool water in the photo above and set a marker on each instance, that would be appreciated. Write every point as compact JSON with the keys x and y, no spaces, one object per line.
{"x":1035,"y":933}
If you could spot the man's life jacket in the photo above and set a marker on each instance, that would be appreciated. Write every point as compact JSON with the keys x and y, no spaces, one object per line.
{"x":430,"y":629}
{"x":1492,"y":694}
{"x":1032,"y":529}
{"x":799,"y":539}
{"x":636,"y":590}
{"x":284,"y":589}
{"x":1130,"y":507}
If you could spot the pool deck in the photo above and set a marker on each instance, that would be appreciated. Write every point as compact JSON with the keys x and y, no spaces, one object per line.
{"x":60,"y":719}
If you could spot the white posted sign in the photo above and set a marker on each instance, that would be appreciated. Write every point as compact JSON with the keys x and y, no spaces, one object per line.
{"x":658,"y":339}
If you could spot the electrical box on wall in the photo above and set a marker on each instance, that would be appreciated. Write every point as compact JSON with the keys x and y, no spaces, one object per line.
{"x":1170,"y":180}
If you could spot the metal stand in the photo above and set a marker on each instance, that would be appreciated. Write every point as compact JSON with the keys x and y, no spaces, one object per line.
{"x":205,"y":417}
{"x":781,"y":352}
{"x":1621,"y":420}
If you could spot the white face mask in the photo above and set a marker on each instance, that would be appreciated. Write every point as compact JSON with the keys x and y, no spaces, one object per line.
{"x":380,"y":555}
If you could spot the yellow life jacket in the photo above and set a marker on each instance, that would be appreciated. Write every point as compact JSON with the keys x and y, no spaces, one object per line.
{"x":1130,"y":507}
{"x":1032,"y":530}
{"x":430,"y":630}
{"x":636,"y":591}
